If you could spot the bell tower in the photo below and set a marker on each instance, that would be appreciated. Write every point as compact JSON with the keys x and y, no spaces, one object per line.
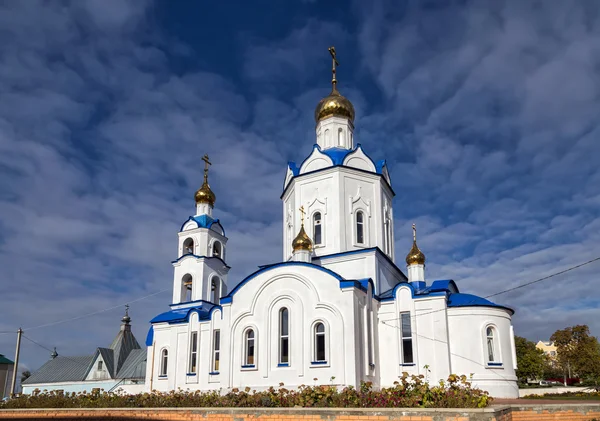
{"x":200,"y":271}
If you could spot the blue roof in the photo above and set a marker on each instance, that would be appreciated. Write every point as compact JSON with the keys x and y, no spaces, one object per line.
{"x":470,"y":300}
{"x":181,"y":315}
{"x":203,"y":221}
{"x":229,"y":297}
{"x":337,"y":155}
{"x":150,"y":336}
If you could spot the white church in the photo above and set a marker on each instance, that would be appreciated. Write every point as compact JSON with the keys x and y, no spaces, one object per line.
{"x":337,"y":308}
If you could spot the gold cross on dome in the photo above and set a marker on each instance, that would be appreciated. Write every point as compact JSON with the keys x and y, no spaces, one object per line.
{"x":302,"y":212}
{"x":206,"y":164}
{"x":334,"y":63}
{"x":414,"y":226}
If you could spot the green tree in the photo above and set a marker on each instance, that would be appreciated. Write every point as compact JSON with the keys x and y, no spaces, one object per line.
{"x":25,"y":375}
{"x":530,"y":360}
{"x":578,"y":352}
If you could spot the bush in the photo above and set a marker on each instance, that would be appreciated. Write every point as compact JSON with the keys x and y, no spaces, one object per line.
{"x":410,"y":391}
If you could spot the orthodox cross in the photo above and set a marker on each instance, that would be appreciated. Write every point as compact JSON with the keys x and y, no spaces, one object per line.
{"x":302,"y":212}
{"x":414,"y":232}
{"x":334,"y":63}
{"x":206,"y":164}
{"x":127,"y":309}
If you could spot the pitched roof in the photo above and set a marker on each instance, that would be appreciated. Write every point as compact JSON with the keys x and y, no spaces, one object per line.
{"x":4,"y":360}
{"x":62,"y":369}
{"x":134,"y":366}
{"x":121,"y":346}
{"x":109,"y":360}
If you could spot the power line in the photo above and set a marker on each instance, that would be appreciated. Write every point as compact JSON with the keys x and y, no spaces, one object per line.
{"x":95,"y":312}
{"x":52,"y":350}
{"x":513,"y":288}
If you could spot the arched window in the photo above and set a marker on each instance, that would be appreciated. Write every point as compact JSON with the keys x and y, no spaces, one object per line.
{"x":327,"y":138}
{"x":249,"y":347}
{"x":491,"y":344}
{"x":319,"y":351}
{"x":164,"y":362}
{"x":284,"y":337}
{"x":360,"y":227}
{"x":215,"y":290}
{"x":216,"y":350}
{"x":186,"y":286}
{"x":317,"y":228}
{"x":217,"y":251}
{"x":340,"y":137}
{"x":193,"y":368}
{"x":188,"y":246}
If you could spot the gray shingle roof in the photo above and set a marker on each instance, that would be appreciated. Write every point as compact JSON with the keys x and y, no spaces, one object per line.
{"x":62,"y":369}
{"x":122,"y":345}
{"x":134,"y":366}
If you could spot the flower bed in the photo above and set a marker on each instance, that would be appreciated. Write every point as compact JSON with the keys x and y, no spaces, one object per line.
{"x":409,"y":392}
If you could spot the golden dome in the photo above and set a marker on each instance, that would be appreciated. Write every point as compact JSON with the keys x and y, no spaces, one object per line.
{"x":302,"y":241}
{"x":415,"y":256}
{"x":205,"y":194}
{"x":335,"y":104}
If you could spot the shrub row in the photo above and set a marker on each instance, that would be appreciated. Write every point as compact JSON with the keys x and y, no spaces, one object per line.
{"x":410,"y":391}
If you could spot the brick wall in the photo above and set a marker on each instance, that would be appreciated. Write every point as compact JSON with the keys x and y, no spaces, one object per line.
{"x":574,"y":412}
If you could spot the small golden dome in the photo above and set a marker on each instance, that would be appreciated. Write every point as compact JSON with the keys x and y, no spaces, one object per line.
{"x":415,"y":256}
{"x":335,"y":104}
{"x":205,"y":194}
{"x":302,"y":241}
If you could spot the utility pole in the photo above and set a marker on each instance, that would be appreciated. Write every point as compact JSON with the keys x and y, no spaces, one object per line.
{"x":14,"y":379}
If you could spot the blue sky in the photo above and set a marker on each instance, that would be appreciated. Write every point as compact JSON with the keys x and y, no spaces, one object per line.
{"x":486,"y":113}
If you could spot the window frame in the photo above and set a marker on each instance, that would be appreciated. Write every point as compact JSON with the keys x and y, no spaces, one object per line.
{"x":314,"y":228}
{"x":216,"y":352}
{"x":163,"y":367}
{"x":406,"y":337}
{"x":496,"y":360}
{"x":281,"y":337}
{"x":246,"y":364}
{"x":193,"y":347}
{"x":100,"y":366}
{"x":220,"y":251}
{"x":315,"y":335}
{"x":363,"y":228}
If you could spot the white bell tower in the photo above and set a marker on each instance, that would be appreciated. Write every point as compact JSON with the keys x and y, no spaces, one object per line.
{"x":200,"y":271}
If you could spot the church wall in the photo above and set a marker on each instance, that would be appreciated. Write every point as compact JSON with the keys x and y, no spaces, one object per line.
{"x":310,"y":296}
{"x":467,"y":326}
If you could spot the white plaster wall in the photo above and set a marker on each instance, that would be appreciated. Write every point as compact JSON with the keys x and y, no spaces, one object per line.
{"x":338,"y":193}
{"x":309,"y":294}
{"x":333,"y":125}
{"x":467,"y":330}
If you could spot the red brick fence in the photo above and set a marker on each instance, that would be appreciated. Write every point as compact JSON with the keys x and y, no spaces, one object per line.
{"x":525,"y":412}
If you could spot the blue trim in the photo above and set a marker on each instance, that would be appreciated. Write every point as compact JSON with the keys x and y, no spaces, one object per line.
{"x":408,"y":365}
{"x":190,"y":302}
{"x":318,"y":362}
{"x":283,"y":365}
{"x":361,"y":284}
{"x":200,"y":257}
{"x":203,"y":221}
{"x":182,"y":315}
{"x":494,"y":364}
{"x":335,"y":166}
{"x":249,"y":366}
{"x":150,"y":336}
{"x":295,"y":169}
{"x":190,"y":374}
{"x":213,"y":373}
{"x":229,"y":297}
{"x":366,"y":250}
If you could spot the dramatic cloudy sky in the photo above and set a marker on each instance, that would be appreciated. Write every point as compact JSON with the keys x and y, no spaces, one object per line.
{"x":486,"y":111}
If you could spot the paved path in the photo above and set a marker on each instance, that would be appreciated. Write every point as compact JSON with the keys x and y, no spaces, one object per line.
{"x":543,"y":401}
